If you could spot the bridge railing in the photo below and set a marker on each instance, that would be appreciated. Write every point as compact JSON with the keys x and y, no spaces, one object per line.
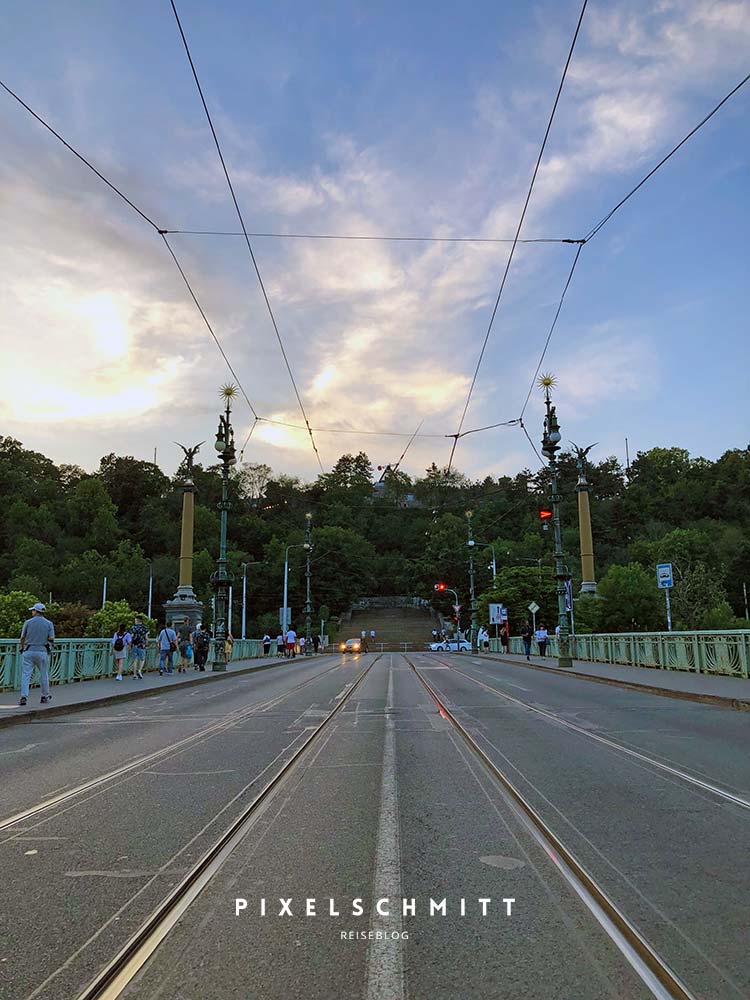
{"x":699,"y":652}
{"x":87,"y":659}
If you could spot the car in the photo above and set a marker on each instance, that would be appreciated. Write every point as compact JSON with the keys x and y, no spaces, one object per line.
{"x":451,"y":646}
{"x":350,"y":646}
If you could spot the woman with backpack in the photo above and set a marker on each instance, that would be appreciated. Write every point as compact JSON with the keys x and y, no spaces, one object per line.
{"x":120,"y":642}
{"x":167,"y":648}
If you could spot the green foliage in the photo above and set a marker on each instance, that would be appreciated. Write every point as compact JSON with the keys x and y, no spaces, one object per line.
{"x":631,"y":600}
{"x":14,"y":610}
{"x":516,"y":587}
{"x":106,"y":620}
{"x":71,"y":620}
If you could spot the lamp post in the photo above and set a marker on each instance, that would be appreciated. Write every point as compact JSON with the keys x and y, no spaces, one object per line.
{"x":550,"y":446}
{"x":308,"y":605}
{"x":493,"y":566}
{"x":150,"y":587}
{"x":474,"y":622}
{"x":244,"y":599}
{"x":221,"y":578}
{"x":285,"y":609}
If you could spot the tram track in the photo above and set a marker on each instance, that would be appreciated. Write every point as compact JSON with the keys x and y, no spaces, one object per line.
{"x":115,"y":977}
{"x":656,"y":974}
{"x":164,"y":753}
{"x":556,"y":719}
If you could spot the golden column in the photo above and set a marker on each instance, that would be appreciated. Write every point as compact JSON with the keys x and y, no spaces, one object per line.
{"x":583,"y":488}
{"x":185,"y":605}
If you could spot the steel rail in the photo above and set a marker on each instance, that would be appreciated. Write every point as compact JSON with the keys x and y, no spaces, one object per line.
{"x":208,"y":731}
{"x":655,"y":973}
{"x":119,"y":973}
{"x":612,"y":744}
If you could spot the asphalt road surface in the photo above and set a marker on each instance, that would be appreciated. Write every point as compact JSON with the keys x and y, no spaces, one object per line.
{"x":383,"y":800}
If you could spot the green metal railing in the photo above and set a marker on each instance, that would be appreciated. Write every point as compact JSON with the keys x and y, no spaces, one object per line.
{"x":699,"y":652}
{"x":87,"y":659}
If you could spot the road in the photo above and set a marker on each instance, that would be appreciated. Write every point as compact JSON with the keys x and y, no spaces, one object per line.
{"x":381,"y":795}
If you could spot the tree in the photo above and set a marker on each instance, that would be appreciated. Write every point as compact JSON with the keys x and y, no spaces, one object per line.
{"x":91,"y":515}
{"x":71,"y":620}
{"x":105,"y":622}
{"x":252,"y":479}
{"x":516,"y":587}
{"x":14,"y":610}
{"x":631,"y":600}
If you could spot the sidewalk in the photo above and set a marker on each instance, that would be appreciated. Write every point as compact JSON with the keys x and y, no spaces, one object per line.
{"x":732,"y":692}
{"x":103,"y":691}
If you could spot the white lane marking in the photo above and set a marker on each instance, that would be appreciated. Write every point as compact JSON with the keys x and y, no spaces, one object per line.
{"x":705,"y":785}
{"x":108,"y":874}
{"x":29,"y":746}
{"x":385,"y":960}
{"x":180,"y":773}
{"x":31,"y":852}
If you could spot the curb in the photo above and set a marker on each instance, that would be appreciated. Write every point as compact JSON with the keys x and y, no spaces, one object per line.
{"x":737,"y":704}
{"x":110,"y":699}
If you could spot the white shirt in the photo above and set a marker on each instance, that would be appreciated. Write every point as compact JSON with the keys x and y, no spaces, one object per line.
{"x":291,"y":636}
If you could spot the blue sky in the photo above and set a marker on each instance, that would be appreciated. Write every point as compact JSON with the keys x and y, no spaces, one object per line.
{"x":387,"y":118}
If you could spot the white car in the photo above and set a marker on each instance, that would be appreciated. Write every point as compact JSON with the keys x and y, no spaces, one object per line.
{"x":451,"y":646}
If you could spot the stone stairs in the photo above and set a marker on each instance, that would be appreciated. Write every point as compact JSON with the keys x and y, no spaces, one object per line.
{"x":393,"y":627}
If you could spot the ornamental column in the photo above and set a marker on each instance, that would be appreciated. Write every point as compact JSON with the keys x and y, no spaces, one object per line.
{"x":185,"y":604}
{"x":583,"y":488}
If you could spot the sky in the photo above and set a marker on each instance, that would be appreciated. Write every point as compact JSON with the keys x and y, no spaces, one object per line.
{"x":385,"y":118}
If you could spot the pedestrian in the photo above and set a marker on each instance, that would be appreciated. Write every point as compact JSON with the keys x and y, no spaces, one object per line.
{"x":228,"y":646}
{"x":504,"y":637}
{"x":372,"y":637}
{"x":485,"y":639}
{"x":167,"y":648}
{"x":280,"y":645}
{"x":291,"y":643}
{"x":37,"y":636}
{"x":541,"y":638}
{"x":138,"y":644}
{"x":184,"y":632}
{"x":201,"y":640}
{"x":266,"y":644}
{"x":316,"y":643}
{"x":120,"y":647}
{"x":434,"y":635}
{"x":302,"y":641}
{"x":526,"y":637}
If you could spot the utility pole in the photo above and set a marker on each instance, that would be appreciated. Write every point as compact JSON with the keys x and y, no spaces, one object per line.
{"x":150,"y":587}
{"x":550,"y":446}
{"x":308,"y":604}
{"x":104,"y":592}
{"x":474,"y":621}
{"x":244,"y":600}
{"x":221,"y":578}
{"x":744,"y":591}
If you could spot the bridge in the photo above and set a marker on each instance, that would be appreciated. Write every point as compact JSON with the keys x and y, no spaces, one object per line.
{"x":378,"y":825}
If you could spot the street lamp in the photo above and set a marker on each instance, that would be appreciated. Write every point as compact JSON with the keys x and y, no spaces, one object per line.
{"x":308,"y":605}
{"x":224,"y":445}
{"x":550,"y":446}
{"x":285,"y":609}
{"x":474,"y":621}
{"x":487,"y":545}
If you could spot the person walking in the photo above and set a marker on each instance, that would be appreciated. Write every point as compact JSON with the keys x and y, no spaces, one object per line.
{"x":120,"y":647}
{"x":280,"y":645}
{"x":541,"y":638}
{"x":266,"y":644}
{"x":167,"y":648}
{"x":316,"y":643}
{"x":291,"y":643}
{"x":526,"y":637}
{"x":505,"y":637}
{"x":302,"y":643}
{"x":434,"y":635}
{"x":184,"y":632}
{"x":372,"y":638}
{"x":201,"y":641}
{"x":138,"y":644}
{"x":37,"y":636}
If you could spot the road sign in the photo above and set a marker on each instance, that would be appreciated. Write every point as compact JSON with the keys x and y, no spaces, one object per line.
{"x":498,"y":614}
{"x":285,"y":621}
{"x":533,"y":607}
{"x":456,"y":608}
{"x":664,"y":576}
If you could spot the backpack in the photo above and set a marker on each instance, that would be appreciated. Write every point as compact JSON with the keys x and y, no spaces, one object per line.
{"x":119,"y":644}
{"x":201,"y":641}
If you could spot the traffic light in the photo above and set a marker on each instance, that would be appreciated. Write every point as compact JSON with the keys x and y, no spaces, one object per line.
{"x":545,"y":514}
{"x":439,"y":586}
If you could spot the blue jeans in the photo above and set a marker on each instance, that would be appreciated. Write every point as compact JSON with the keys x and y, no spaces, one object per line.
{"x":166,"y":655}
{"x":38,"y":658}
{"x":527,"y":647}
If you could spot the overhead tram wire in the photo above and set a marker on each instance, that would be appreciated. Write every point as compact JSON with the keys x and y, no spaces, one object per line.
{"x":518,"y":230}
{"x":593,"y":232}
{"x":151,"y":222}
{"x":245,"y":233}
{"x":354,"y":236}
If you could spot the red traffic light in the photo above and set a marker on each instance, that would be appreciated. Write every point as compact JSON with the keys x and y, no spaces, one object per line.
{"x":545,"y":514}
{"x":439,"y":586}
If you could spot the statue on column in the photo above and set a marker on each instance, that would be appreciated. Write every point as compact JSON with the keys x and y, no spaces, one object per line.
{"x":190,"y":454}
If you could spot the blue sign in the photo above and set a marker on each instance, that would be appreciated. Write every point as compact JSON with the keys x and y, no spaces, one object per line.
{"x":664,"y":576}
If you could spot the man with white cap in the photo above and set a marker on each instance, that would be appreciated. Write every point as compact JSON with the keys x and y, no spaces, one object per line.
{"x":37,"y":636}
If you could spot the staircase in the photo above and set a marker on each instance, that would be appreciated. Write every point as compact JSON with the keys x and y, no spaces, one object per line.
{"x":394,"y":627}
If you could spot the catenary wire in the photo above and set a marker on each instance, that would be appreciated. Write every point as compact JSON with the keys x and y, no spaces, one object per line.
{"x":245,"y":233}
{"x":518,"y":230}
{"x":664,"y":159}
{"x":149,"y":221}
{"x":355,"y":236}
